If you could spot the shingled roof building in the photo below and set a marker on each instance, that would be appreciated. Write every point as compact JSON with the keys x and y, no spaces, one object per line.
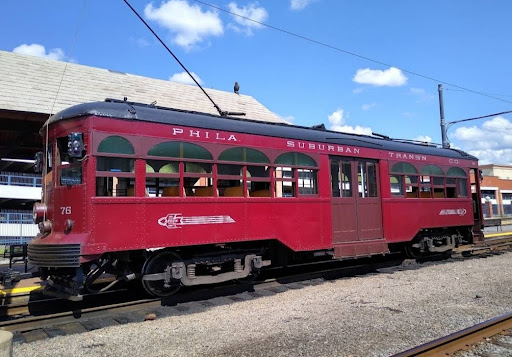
{"x":33,"y":88}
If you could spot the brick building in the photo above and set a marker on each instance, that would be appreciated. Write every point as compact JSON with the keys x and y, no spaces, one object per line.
{"x":497,"y":190}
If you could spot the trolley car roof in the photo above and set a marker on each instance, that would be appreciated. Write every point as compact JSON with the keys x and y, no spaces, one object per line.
{"x":149,"y":113}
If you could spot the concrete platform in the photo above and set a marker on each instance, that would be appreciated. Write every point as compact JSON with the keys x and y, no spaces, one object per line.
{"x":21,"y":287}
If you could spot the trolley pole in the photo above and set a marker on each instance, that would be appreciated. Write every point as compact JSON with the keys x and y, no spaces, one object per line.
{"x":444,"y":137}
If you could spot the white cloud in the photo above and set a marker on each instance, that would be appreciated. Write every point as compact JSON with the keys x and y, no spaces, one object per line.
{"x":140,"y":42}
{"x":337,"y":122}
{"x":299,"y":4}
{"x":183,"y":77}
{"x":491,"y":142}
{"x":392,"y":77}
{"x":188,"y":23}
{"x":289,"y":118}
{"x":358,"y":90}
{"x":423,"y":138}
{"x":251,"y":11}
{"x":39,"y":51}
{"x":368,"y":106}
{"x":422,"y":95}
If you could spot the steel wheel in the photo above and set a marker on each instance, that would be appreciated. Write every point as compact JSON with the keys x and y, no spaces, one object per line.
{"x":412,"y":252}
{"x":155,"y":264}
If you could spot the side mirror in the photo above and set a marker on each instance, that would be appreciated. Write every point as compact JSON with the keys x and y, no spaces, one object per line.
{"x":38,"y":164}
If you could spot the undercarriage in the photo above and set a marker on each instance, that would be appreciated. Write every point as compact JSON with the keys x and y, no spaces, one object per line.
{"x":162,"y":272}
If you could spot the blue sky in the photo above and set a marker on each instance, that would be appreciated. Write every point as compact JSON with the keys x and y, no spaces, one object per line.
{"x":464,"y":43}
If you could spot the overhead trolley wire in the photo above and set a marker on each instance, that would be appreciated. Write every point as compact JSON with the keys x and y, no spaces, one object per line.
{"x":349,"y":52}
{"x":221,"y":112}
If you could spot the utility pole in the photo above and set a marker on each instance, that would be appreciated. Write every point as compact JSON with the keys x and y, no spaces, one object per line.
{"x":444,"y":137}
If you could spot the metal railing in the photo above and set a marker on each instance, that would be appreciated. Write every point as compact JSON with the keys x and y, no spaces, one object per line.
{"x":16,"y":227}
{"x":20,"y":179}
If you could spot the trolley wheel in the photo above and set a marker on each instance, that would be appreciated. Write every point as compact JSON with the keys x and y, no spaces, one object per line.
{"x":155,"y":264}
{"x":412,"y":252}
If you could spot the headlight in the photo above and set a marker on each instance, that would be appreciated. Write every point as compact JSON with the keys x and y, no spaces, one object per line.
{"x":39,"y":211}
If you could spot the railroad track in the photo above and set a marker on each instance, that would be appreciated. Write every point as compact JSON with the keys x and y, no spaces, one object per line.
{"x":487,"y":336}
{"x":98,"y":315}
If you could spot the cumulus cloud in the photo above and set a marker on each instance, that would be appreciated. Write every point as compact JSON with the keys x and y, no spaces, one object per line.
{"x":252,"y":12}
{"x":188,"y":23}
{"x":39,"y":51}
{"x":423,"y":138}
{"x":299,"y":4}
{"x":288,"y":118}
{"x":183,"y":77}
{"x":368,"y":106}
{"x":392,"y":77}
{"x":140,"y":42}
{"x":337,"y":122}
{"x":491,"y":142}
{"x":422,"y":95}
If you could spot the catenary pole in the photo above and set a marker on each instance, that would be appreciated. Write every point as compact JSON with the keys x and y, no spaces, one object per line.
{"x":444,"y":137}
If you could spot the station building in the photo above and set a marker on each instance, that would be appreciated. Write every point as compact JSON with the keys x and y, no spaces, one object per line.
{"x":496,"y":190}
{"x":34,"y":88}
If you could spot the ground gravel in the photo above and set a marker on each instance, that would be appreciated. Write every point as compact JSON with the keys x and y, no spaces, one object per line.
{"x":372,"y":315}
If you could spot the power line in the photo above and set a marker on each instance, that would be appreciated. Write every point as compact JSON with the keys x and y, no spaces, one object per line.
{"x":497,"y":94}
{"x":481,"y":117}
{"x":221,"y":112}
{"x":349,"y":52}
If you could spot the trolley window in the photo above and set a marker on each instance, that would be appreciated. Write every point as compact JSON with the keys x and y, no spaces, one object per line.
{"x":69,"y":167}
{"x":404,"y":180}
{"x":243,"y":172}
{"x":295,"y":175}
{"x":115,"y":173}
{"x":456,"y":183}
{"x":116,"y":145}
{"x":432,"y":182}
{"x":341,"y":178}
{"x":179,"y":169}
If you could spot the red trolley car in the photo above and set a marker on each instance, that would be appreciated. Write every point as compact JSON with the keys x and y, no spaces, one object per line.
{"x":182,"y":198}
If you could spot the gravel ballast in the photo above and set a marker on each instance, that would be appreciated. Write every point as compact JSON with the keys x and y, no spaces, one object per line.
{"x":373,"y":315}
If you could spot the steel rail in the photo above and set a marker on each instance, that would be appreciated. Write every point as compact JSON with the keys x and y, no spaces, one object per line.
{"x":194,"y":295}
{"x":326,"y":271}
{"x":461,"y":340}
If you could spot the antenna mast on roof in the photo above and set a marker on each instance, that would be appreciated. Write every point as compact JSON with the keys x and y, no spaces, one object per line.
{"x":221,"y":112}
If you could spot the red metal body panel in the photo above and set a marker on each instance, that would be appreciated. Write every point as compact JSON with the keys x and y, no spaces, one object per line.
{"x":104,"y":224}
{"x":403,"y":218}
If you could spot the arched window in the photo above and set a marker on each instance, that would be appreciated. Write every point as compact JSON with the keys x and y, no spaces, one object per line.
{"x":175,"y":157}
{"x":294,"y":170}
{"x":244,"y":155}
{"x":403,"y":179}
{"x":116,"y":145}
{"x":247,"y":176}
{"x":432,"y":182}
{"x":115,"y":176}
{"x":295,"y":159}
{"x":180,"y":149}
{"x":456,"y":183}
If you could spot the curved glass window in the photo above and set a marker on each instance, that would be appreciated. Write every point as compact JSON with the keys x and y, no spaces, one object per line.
{"x":180,"y":149}
{"x":456,"y":183}
{"x":403,"y":180}
{"x":244,"y":155}
{"x":295,"y":159}
{"x":432,"y":170}
{"x":456,"y":172}
{"x":403,"y":168}
{"x":170,"y":168}
{"x":116,"y":145}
